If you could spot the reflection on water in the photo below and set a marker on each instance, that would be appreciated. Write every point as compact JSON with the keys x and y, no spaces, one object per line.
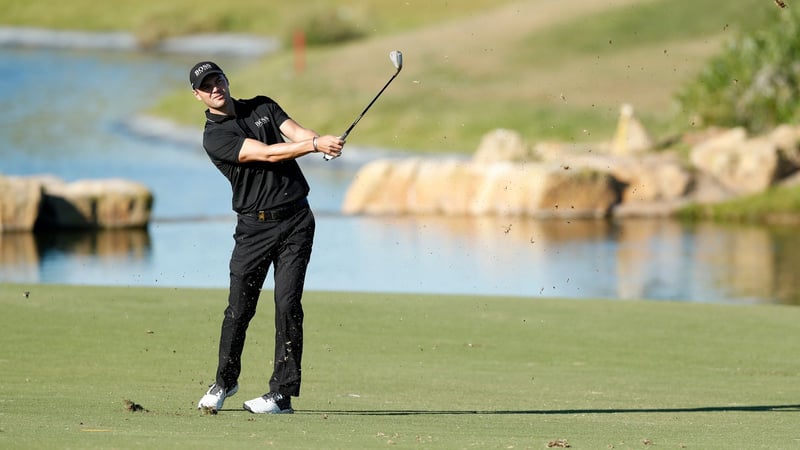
{"x":631,"y":259}
{"x":28,"y":257}
{"x":123,"y":245}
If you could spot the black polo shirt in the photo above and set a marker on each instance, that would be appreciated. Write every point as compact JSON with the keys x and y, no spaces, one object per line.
{"x":256,"y":185}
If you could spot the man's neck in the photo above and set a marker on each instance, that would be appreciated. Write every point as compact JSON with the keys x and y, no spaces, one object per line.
{"x":229,"y":109}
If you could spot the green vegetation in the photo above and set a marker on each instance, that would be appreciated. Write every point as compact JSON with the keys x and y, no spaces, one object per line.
{"x":623,"y":28}
{"x":754,"y":82}
{"x":411,"y":370}
{"x":776,"y":205}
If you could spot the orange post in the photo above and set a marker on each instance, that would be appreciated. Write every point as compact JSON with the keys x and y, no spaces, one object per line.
{"x":299,"y":51}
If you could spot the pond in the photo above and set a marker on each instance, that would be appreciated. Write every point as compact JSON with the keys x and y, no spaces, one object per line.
{"x":73,"y":117}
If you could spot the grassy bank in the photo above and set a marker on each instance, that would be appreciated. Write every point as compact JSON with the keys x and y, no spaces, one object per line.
{"x":409,"y":370}
{"x":779,"y":205}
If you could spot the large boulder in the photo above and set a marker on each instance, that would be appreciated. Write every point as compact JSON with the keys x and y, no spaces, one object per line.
{"x":787,"y":141}
{"x":106,"y":203}
{"x":381,"y":187}
{"x":583,"y":193}
{"x":466,"y":188}
{"x":543,"y":191}
{"x":651,"y":178}
{"x":741,"y":164}
{"x":444,"y":187}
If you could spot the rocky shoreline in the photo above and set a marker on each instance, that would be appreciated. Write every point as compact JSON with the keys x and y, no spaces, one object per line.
{"x":626,"y":177}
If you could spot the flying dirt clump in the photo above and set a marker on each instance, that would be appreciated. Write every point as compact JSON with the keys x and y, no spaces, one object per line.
{"x":132,"y":406}
{"x":207,"y":411}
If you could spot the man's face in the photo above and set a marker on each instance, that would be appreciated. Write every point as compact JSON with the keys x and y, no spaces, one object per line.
{"x":213,"y":92}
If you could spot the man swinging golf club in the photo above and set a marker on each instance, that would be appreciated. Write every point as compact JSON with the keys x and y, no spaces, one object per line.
{"x":275,"y":226}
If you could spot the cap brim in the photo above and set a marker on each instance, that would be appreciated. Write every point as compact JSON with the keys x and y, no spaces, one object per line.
{"x":199,"y":81}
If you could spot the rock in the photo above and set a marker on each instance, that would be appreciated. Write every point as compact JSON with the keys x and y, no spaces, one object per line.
{"x":508,"y":189}
{"x":457,"y":188}
{"x":381,"y":187}
{"x":647,"y":178}
{"x":443,"y":187}
{"x":580,"y":180}
{"x":742,"y":165}
{"x":108,"y":203}
{"x":652,"y":178}
{"x":787,"y":140}
{"x":502,"y":145}
{"x":707,"y":189}
{"x":20,"y":199}
{"x":578,"y":194}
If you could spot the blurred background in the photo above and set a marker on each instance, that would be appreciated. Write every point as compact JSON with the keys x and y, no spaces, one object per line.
{"x":99,"y":90}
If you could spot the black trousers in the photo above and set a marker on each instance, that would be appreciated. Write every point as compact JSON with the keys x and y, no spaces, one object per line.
{"x":286,"y":245}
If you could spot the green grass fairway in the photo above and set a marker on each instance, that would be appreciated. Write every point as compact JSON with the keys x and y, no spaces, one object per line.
{"x":400,"y":371}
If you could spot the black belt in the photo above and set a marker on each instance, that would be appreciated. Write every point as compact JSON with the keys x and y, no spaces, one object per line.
{"x":279,"y":213}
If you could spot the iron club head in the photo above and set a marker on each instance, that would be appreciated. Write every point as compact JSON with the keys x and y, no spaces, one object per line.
{"x":397,"y":59}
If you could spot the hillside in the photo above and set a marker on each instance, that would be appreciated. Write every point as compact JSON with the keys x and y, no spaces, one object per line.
{"x":549,"y":69}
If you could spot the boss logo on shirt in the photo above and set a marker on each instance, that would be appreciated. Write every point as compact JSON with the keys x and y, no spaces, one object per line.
{"x":261,"y":121}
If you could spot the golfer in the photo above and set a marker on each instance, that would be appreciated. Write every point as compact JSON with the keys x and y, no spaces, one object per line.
{"x":275,"y":226}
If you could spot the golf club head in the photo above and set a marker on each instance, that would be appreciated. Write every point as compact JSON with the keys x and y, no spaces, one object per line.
{"x":397,"y":59}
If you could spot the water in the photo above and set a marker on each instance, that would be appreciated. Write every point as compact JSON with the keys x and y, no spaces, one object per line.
{"x":71,"y":117}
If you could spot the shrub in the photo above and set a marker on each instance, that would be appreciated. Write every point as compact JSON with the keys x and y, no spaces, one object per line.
{"x":754,"y":82}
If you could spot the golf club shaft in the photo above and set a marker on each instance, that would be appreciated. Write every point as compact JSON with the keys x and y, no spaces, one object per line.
{"x":344,"y":136}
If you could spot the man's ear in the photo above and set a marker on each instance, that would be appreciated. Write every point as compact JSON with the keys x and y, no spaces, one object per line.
{"x":196,"y":95}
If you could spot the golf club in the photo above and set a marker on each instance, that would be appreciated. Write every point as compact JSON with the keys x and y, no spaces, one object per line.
{"x":397,"y":59}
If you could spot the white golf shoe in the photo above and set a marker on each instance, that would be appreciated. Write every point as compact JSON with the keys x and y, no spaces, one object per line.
{"x":270,"y":403}
{"x":216,"y":396}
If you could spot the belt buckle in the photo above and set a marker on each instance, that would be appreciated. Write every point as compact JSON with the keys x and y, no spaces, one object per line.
{"x":262,"y":216}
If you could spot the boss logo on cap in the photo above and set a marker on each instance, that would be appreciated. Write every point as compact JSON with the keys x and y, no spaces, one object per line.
{"x":202,"y":69}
